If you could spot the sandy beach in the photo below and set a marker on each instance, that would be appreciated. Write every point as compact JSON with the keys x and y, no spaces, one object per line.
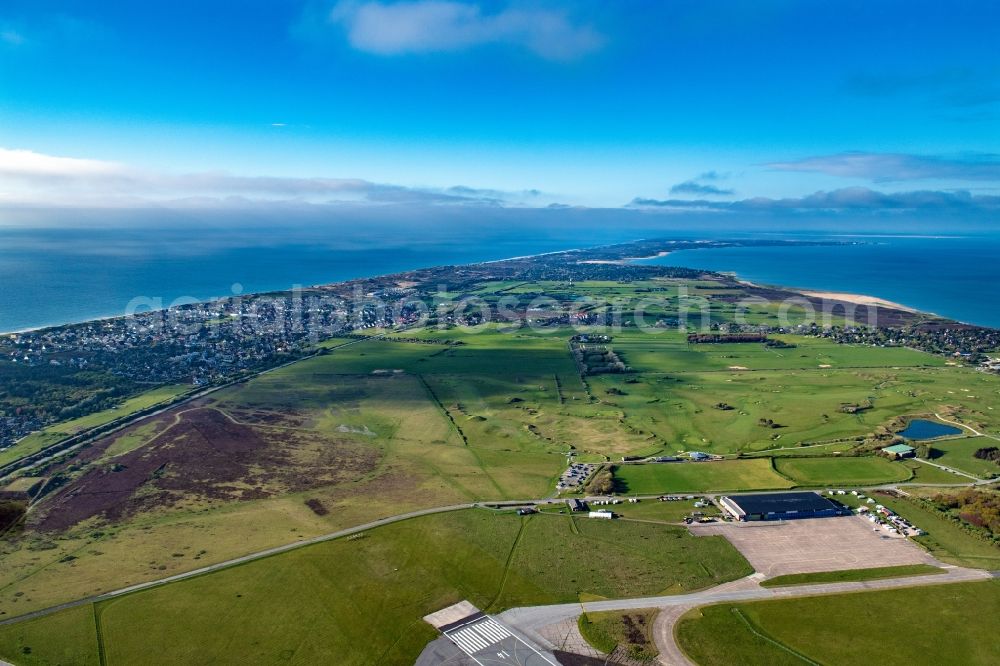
{"x":625,"y":260}
{"x":857,"y":299}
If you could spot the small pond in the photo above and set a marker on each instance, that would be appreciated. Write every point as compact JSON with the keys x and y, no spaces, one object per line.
{"x":924,"y":429}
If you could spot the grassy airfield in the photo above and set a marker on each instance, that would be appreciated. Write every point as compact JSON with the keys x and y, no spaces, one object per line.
{"x":362,"y":598}
{"x":830,"y":629}
{"x":442,"y":417}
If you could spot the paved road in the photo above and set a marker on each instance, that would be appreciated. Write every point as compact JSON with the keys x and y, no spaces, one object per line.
{"x":240,"y":560}
{"x":337,"y":535}
{"x":614,"y":605}
{"x":976,"y":480}
{"x":272,"y":551}
{"x":529,"y":620}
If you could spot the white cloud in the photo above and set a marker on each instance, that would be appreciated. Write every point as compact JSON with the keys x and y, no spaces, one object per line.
{"x":427,"y":26}
{"x":31,"y":178}
{"x":29,"y":164}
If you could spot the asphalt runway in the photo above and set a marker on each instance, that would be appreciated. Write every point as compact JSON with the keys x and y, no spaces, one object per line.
{"x":489,"y":643}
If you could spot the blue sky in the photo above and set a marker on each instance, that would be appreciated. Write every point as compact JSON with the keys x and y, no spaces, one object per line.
{"x":661,"y":104}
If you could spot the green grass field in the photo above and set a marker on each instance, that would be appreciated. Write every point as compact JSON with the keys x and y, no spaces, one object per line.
{"x":958,"y":453}
{"x":877,"y":573}
{"x":919,"y":625}
{"x":841,"y":471}
{"x":67,"y":637}
{"x":698,"y":477}
{"x":923,"y":473}
{"x":632,"y":630}
{"x":670,"y":352}
{"x":678,"y":408}
{"x":362,"y":598}
{"x":494,"y":417}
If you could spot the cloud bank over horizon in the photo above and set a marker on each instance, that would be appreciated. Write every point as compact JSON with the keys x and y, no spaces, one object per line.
{"x":844,"y":200}
{"x":498,"y":102}
{"x":32,"y":179}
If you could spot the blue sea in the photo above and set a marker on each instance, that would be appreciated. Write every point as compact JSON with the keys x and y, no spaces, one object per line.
{"x":51,"y":276}
{"x":953,"y":276}
{"x":55,"y":275}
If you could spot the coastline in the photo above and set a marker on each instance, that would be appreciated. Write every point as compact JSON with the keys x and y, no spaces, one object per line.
{"x":842,"y":296}
{"x":625,"y":260}
{"x":833,"y":294}
{"x":42,"y":327}
{"x":860,"y":299}
{"x":99,"y":318}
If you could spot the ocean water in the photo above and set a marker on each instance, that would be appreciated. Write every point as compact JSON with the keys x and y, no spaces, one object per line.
{"x":54,"y":275}
{"x":956,"y":277}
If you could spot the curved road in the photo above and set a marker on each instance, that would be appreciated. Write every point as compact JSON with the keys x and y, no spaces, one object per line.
{"x":239,"y":560}
{"x":250,"y":557}
{"x":529,"y":620}
{"x":357,"y":529}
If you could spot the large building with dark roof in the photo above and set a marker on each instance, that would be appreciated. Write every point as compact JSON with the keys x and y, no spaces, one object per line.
{"x":780,"y":506}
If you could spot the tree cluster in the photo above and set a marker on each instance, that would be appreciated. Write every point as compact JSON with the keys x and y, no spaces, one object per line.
{"x":975,"y":507}
{"x":990,"y":453}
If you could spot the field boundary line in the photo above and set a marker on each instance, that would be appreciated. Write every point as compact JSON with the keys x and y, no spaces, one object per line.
{"x":952,"y":470}
{"x":437,"y":401}
{"x":461,"y":433}
{"x":573,"y":527}
{"x":749,"y":625}
{"x":510,"y":560}
{"x":99,"y":635}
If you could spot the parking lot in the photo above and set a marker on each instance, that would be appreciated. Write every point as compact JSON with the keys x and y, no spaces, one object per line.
{"x":816,"y":544}
{"x":575,"y":475}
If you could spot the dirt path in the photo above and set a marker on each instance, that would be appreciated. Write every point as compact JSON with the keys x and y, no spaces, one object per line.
{"x":967,"y":427}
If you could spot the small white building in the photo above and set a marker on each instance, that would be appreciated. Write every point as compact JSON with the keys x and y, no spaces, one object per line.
{"x":601,"y":514}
